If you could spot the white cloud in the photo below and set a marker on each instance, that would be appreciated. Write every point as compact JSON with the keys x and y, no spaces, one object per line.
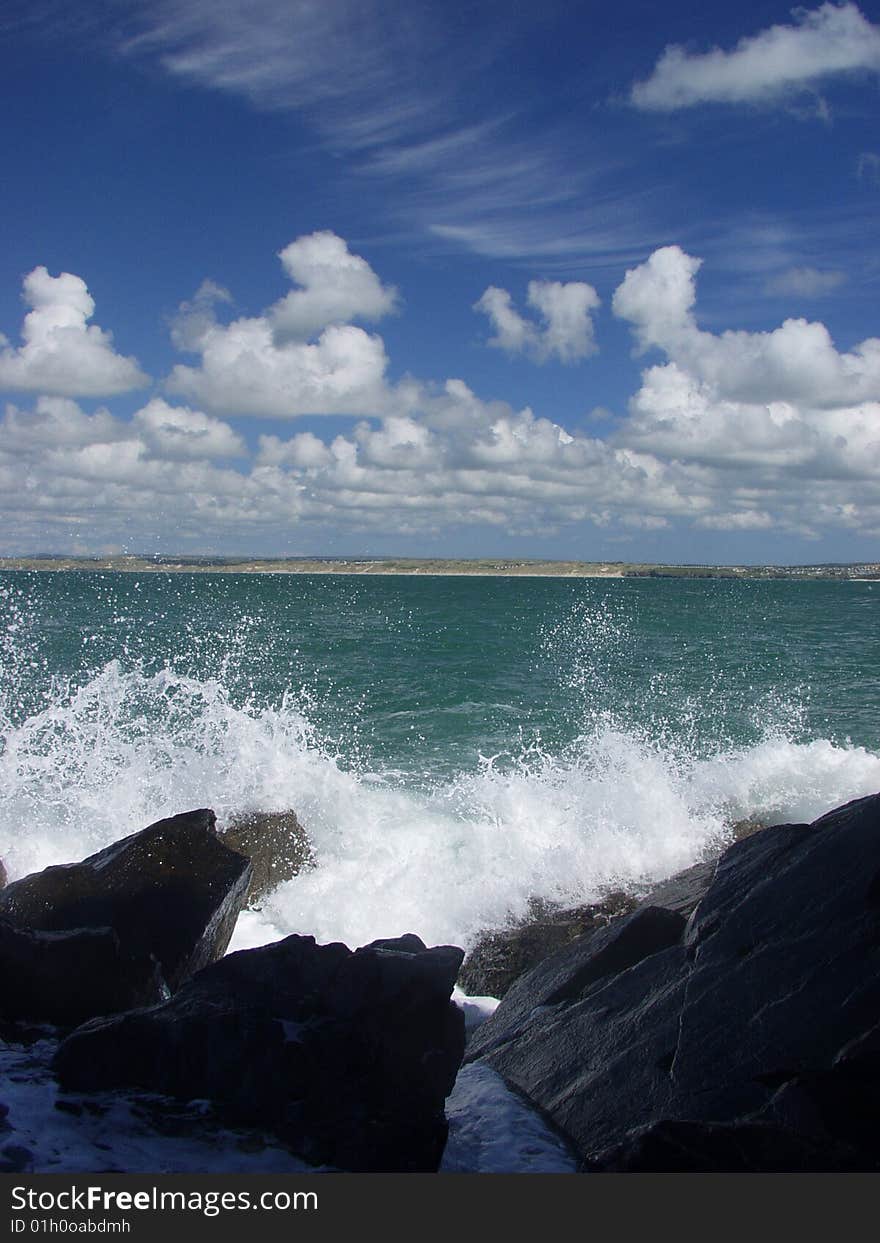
{"x":741,"y":520}
{"x":178,"y":432}
{"x":62,"y":354}
{"x":731,"y":431}
{"x":657,"y":296}
{"x":196,"y":318}
{"x":337,"y":287}
{"x":567,"y":329}
{"x":244,"y":372}
{"x":263,"y":366}
{"x":776,"y":429}
{"x":512,"y":333}
{"x":832,"y":39}
{"x":796,"y":362}
{"x":677,"y":416}
{"x":57,"y":422}
{"x":805,"y":282}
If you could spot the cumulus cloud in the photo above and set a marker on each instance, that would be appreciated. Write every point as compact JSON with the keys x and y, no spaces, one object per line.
{"x":454,"y":460}
{"x":67,"y":475}
{"x":565,"y":309}
{"x":833,"y":39}
{"x":796,"y":362}
{"x":59,"y":425}
{"x":298,"y":357}
{"x":62,"y":354}
{"x":337,"y":287}
{"x":56,"y":422}
{"x":451,"y":461}
{"x":775,"y":427}
{"x":731,"y":431}
{"x":244,"y":372}
{"x":196,"y":318}
{"x":178,"y":432}
{"x":677,"y":416}
{"x":805,"y":282}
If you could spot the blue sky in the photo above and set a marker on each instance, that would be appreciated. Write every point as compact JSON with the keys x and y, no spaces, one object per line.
{"x":553,"y":279}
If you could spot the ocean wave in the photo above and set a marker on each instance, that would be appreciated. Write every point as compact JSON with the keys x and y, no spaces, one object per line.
{"x":621,"y":805}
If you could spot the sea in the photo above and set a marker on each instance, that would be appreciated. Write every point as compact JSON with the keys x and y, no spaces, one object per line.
{"x":457,"y":748}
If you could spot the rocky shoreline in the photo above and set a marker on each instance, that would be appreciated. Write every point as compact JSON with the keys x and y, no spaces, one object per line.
{"x":727,"y":1021}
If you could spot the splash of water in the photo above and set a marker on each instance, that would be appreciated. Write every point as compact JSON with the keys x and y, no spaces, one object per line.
{"x":635,"y":795}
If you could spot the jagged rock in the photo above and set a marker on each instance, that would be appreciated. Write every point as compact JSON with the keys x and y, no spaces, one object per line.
{"x":3,"y":874}
{"x":502,"y":956}
{"x":745,"y":828}
{"x":276,"y":844}
{"x":67,"y":977}
{"x":572,"y":971}
{"x":761,"y":1014}
{"x":173,"y":891}
{"x":677,"y":1147}
{"x":682,"y":892}
{"x":347,"y":1056}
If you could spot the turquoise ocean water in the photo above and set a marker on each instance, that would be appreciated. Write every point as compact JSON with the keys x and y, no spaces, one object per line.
{"x":454,"y":746}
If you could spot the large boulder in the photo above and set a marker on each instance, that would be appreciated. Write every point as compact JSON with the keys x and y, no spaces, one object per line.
{"x":756,"y":1018}
{"x":501,"y":956}
{"x":347,"y":1056}
{"x":67,"y":977}
{"x":171,"y":893}
{"x":276,"y":844}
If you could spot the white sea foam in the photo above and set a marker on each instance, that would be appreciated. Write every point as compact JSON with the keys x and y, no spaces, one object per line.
{"x":618,"y":808}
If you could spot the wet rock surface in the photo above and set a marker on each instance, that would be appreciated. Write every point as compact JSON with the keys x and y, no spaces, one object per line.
{"x":170,"y":893}
{"x":65,"y":978}
{"x":276,"y":844}
{"x":744,"y":1037}
{"x":500,"y":957}
{"x":347,"y":1057}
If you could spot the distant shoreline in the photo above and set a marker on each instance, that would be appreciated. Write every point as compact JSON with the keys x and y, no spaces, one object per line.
{"x":436,"y":567}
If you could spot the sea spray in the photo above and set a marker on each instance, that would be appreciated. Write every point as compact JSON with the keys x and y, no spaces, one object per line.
{"x":601,"y":755}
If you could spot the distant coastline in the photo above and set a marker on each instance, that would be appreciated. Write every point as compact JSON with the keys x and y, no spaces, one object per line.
{"x":497,"y":567}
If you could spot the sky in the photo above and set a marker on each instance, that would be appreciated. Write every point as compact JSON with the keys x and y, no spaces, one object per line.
{"x":409,"y":278}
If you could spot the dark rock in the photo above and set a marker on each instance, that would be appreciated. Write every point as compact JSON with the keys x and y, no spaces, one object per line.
{"x":67,"y":977}
{"x":573,"y":971}
{"x":347,"y":1057}
{"x":14,"y":1159}
{"x":762,"y":1015}
{"x":676,"y":1147}
{"x":276,"y":844}
{"x":3,"y":874}
{"x":172,"y":891}
{"x":502,"y":956}
{"x":683,"y":891}
{"x":745,"y":828}
{"x":65,"y":1106}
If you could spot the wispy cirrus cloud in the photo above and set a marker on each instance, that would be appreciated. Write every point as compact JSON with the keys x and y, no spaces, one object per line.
{"x":407,"y":93}
{"x":805,"y":282}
